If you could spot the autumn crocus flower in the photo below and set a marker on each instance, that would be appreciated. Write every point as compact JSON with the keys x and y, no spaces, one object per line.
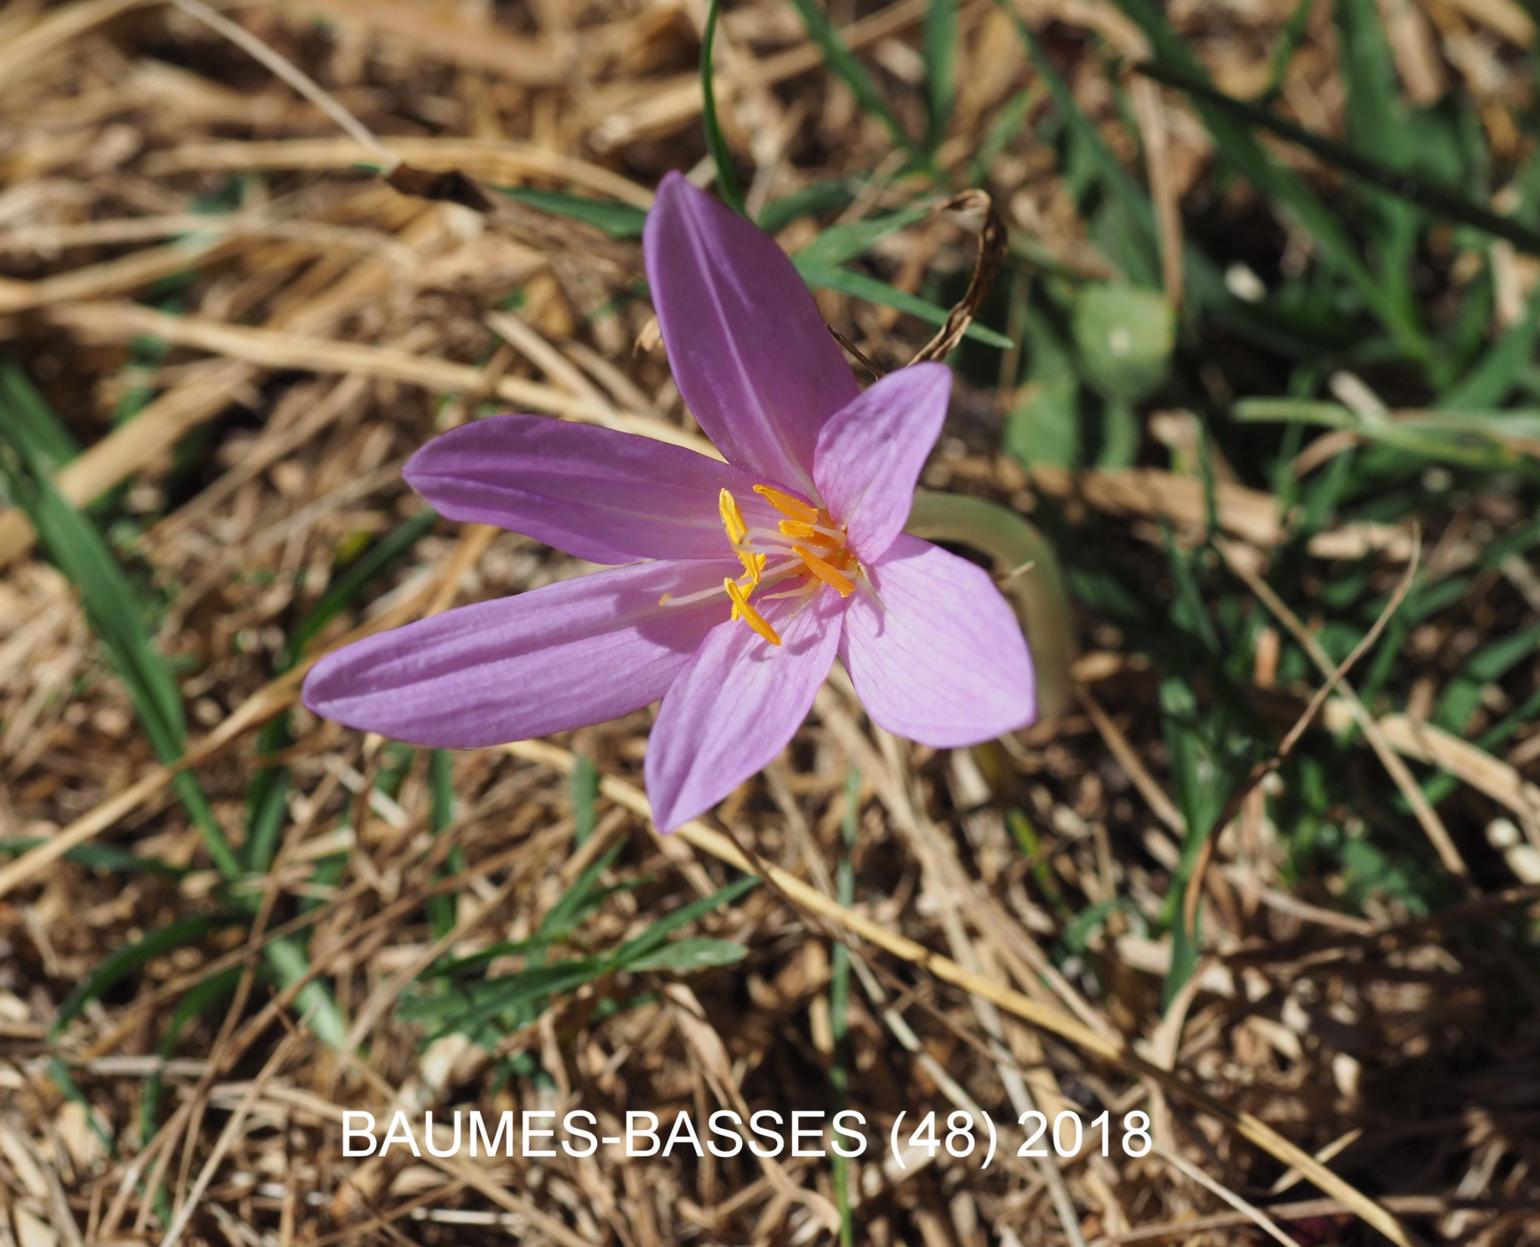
{"x":738,"y":582}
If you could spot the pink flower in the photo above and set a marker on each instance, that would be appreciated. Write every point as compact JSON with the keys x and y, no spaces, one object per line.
{"x":739,"y":581}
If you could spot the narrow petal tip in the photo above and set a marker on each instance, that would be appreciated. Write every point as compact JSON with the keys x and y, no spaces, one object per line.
{"x":746,"y":343}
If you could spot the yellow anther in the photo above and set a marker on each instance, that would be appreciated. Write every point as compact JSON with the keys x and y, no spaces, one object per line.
{"x":753,"y":567}
{"x":786,"y":504}
{"x":825,"y":572}
{"x":732,"y":517}
{"x":737,"y":530}
{"x":742,"y":610}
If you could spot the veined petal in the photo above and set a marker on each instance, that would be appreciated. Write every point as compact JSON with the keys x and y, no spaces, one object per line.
{"x":734,"y":706}
{"x":577,"y":652}
{"x":750,"y":353}
{"x":942,"y":661}
{"x":599,"y":494}
{"x":869,"y":455}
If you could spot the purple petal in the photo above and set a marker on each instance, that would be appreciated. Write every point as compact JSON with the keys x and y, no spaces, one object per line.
{"x":733,"y":708}
{"x":757,"y":368}
{"x":870,"y":454}
{"x":596,"y":493}
{"x":943,"y":661}
{"x":572,"y":653}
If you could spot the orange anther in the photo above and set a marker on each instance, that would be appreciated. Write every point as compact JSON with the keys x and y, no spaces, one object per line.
{"x":825,"y":572}
{"x":787,"y":505}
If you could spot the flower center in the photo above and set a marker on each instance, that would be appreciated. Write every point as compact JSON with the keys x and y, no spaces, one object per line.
{"x":805,"y":551}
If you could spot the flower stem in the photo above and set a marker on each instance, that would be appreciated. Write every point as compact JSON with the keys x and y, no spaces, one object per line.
{"x":1034,"y":583}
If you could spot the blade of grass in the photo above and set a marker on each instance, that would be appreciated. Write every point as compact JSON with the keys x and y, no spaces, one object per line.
{"x":1118,"y":182}
{"x":1469,"y":439}
{"x":112,"y":609}
{"x":267,"y":797}
{"x":842,"y":62}
{"x":691,"y":954}
{"x":844,"y":242}
{"x":111,"y":604}
{"x":618,"y":220}
{"x":30,"y":419}
{"x":654,"y":936}
{"x":106,"y":857}
{"x":121,"y":962}
{"x":814,"y":199}
{"x":1230,"y":128}
{"x":1289,"y":40}
{"x":443,"y":908}
{"x":1412,"y":187}
{"x":716,"y":142}
{"x":860,"y":286}
{"x":1377,"y":122}
{"x":938,"y":47}
{"x":585,"y":799}
{"x":1501,"y":367}
{"x":839,"y":1000}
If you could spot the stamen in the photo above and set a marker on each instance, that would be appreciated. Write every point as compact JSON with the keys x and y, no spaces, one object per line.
{"x":777,"y":541}
{"x":779,"y":571}
{"x":753,"y":567}
{"x":787,"y":505}
{"x":809,"y":551}
{"x":869,"y":591}
{"x":689,"y":599}
{"x":742,"y":610}
{"x":732,"y":520}
{"x":732,"y":517}
{"x":804,"y":590}
{"x":826,"y":572}
{"x":811,"y":533}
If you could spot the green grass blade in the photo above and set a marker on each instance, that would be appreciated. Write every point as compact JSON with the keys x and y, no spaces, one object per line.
{"x":585,"y":798}
{"x":112,"y":608}
{"x":289,"y":963}
{"x":1501,"y":368}
{"x":1289,"y":40}
{"x":938,"y":47}
{"x":682,"y":956}
{"x":1467,"y":439}
{"x":814,"y":199}
{"x":580,"y":899}
{"x":1230,"y":124}
{"x":344,"y":590}
{"x":1377,"y":122}
{"x":716,"y":142}
{"x":443,"y":909}
{"x":111,"y":604}
{"x":839,"y":999}
{"x":1280,"y":184}
{"x":618,"y":220}
{"x":104,"y":857}
{"x":654,"y":937}
{"x":29,"y":419}
{"x":122,"y":962}
{"x":1118,"y":181}
{"x":845,"y":66}
{"x":844,"y":242}
{"x":860,"y":286}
